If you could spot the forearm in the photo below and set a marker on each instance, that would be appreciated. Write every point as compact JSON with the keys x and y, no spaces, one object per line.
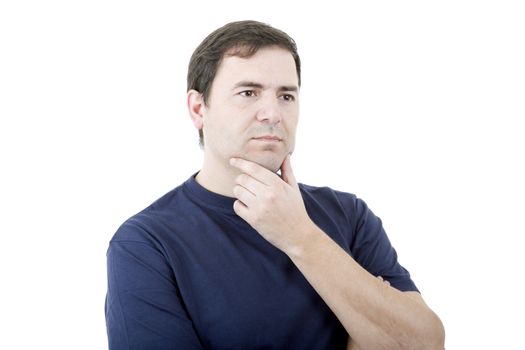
{"x":375,"y":315}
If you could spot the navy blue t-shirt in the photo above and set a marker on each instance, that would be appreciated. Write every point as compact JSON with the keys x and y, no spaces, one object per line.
{"x":189,"y":273}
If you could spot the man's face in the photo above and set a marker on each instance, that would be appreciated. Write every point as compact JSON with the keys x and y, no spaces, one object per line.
{"x":253,"y":109}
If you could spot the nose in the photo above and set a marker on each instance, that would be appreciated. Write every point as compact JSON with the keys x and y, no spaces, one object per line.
{"x":269,"y":111}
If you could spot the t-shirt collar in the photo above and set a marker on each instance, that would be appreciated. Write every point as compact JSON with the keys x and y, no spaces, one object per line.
{"x":207,"y":197}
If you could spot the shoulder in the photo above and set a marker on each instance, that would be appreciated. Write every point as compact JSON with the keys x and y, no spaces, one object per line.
{"x":336,"y":203}
{"x":329,"y":196}
{"x":323,"y":191}
{"x":146,"y":225}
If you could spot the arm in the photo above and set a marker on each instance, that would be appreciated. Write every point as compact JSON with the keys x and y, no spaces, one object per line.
{"x":375,"y":315}
{"x":143,"y":307}
{"x":351,"y":345}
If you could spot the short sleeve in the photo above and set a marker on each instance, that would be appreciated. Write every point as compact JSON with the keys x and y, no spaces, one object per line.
{"x":372,"y":249}
{"x":143,"y":307}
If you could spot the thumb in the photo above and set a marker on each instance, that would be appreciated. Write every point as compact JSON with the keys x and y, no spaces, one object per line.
{"x":287,"y":172}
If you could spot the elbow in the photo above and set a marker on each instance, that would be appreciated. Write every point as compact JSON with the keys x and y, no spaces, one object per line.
{"x":434,"y":334}
{"x":429,"y":335}
{"x":440,"y":335}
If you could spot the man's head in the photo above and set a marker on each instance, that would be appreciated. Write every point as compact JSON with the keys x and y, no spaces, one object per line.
{"x":243,"y":83}
{"x":242,"y":39}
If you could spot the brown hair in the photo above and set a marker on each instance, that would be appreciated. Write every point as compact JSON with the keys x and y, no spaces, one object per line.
{"x":243,"y":39}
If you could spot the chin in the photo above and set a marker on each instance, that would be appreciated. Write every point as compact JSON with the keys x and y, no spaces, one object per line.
{"x":271,"y":162}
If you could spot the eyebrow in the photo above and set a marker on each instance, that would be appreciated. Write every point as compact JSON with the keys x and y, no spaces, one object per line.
{"x":291,"y":88}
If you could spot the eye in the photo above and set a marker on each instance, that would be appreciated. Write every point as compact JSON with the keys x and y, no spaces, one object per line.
{"x":288,"y":97}
{"x":247,"y":93}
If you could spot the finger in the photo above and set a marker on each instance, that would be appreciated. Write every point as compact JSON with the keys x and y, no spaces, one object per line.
{"x":240,"y":209}
{"x":246,"y":197}
{"x":287,"y":172}
{"x":251,"y":184}
{"x":253,"y":169}
{"x":383,"y":280}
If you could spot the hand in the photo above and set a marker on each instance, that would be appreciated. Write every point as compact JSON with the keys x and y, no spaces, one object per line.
{"x":383,"y":280}
{"x":272,"y":205}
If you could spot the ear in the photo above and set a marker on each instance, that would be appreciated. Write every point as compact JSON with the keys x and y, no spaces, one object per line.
{"x":196,"y":108}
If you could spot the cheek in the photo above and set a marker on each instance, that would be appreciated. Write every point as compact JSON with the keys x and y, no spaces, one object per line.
{"x":291,"y":124}
{"x":226,"y":132}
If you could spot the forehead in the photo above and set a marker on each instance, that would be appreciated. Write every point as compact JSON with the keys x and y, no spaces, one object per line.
{"x":269,"y":66}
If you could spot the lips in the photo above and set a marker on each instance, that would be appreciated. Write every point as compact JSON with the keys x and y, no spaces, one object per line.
{"x":268,"y":138}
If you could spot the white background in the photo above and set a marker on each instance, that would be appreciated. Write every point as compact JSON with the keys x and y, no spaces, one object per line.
{"x":415,"y":106}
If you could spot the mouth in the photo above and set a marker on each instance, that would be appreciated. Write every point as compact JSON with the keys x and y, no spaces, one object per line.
{"x":268,"y":138}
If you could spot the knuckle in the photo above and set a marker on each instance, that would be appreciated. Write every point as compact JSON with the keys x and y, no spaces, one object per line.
{"x":271,"y":196}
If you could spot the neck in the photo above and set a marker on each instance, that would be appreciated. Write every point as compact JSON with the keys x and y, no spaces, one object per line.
{"x":216,"y":176}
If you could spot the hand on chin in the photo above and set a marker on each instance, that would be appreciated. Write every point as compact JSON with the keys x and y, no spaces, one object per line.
{"x":269,"y":160}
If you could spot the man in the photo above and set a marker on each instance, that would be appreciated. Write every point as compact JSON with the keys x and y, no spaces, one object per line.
{"x":242,"y":257}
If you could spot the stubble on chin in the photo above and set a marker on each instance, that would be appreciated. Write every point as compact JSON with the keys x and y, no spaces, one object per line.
{"x":268,"y":156}
{"x":269,"y":160}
